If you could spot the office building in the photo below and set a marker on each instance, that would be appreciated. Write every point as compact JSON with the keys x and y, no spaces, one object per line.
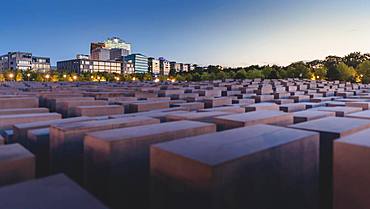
{"x":154,"y":66}
{"x":101,"y":54}
{"x":165,"y":66}
{"x":128,"y":67}
{"x":139,"y":61}
{"x":79,"y":65}
{"x":24,"y":61}
{"x":111,"y":49}
{"x":175,"y":67}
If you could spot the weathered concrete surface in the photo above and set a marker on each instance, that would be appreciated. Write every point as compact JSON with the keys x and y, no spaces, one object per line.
{"x":351,"y":171}
{"x":253,"y":118}
{"x":249,"y":167}
{"x":16,"y":164}
{"x":56,"y":192}
{"x":330,"y":129}
{"x":117,"y":161}
{"x":66,"y":142}
{"x":7,"y":121}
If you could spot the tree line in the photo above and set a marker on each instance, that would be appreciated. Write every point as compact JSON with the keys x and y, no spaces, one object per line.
{"x":354,"y":67}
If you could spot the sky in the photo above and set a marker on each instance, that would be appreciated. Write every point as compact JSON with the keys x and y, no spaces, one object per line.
{"x":219,"y":32}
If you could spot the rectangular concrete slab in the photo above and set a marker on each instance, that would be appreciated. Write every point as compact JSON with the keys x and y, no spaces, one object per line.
{"x":22,"y":102}
{"x":147,"y":106}
{"x":101,"y":110}
{"x":330,"y":129}
{"x":360,"y":115}
{"x":7,"y":121}
{"x":23,"y":111}
{"x":261,"y":106}
{"x":217,"y":102}
{"x":231,"y":109}
{"x":351,"y":171}
{"x":66,"y":142}
{"x":38,"y":144}
{"x":339,"y":111}
{"x":195,"y":116}
{"x":307,"y":115}
{"x":117,"y":161}
{"x":292,"y":107}
{"x":56,"y":192}
{"x":20,"y":130}
{"x":253,"y":118}
{"x":249,"y":167}
{"x":16,"y":164}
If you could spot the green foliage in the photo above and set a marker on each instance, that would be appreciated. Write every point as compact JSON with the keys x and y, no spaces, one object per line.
{"x":298,"y":70}
{"x":252,"y":74}
{"x":321,"y":73}
{"x":364,"y":70}
{"x":346,"y":73}
{"x":241,"y":74}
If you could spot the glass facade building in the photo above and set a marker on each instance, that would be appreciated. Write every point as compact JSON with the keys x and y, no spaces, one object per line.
{"x":139,"y":61}
{"x":90,"y":65}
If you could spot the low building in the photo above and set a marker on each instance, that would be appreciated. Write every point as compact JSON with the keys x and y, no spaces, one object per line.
{"x":139,"y":61}
{"x":128,"y":67}
{"x":154,"y":66}
{"x":165,"y":66}
{"x":90,"y":65}
{"x":175,"y":67}
{"x":24,"y":61}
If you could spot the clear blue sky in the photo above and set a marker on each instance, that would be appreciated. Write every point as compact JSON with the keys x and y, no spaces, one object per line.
{"x":226,"y":32}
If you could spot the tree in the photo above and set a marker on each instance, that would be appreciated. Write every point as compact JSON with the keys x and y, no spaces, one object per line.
{"x":252,"y":74}
{"x":346,"y":73}
{"x":321,"y":73}
{"x":221,"y":75}
{"x":2,"y":77}
{"x":19,"y":76}
{"x":204,"y":76}
{"x":364,"y":70}
{"x":147,"y":77}
{"x":298,"y":70}
{"x":354,"y":59}
{"x":267,"y":72}
{"x":241,"y":74}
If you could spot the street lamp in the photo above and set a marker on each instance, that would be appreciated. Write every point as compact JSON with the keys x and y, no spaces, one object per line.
{"x":64,"y":76}
{"x":74,"y":77}
{"x":28,"y":76}
{"x":11,"y":76}
{"x":47,"y":76}
{"x":134,"y":79}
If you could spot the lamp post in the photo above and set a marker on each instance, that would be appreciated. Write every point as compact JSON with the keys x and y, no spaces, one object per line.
{"x":28,"y":76}
{"x":11,"y":76}
{"x":47,"y":76}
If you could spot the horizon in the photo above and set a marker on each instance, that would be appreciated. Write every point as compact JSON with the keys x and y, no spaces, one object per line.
{"x":232,"y":33}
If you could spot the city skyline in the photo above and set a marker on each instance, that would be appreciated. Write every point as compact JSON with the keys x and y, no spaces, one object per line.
{"x":228,"y":33}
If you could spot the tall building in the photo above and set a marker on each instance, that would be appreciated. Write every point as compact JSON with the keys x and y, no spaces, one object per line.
{"x":24,"y":61}
{"x":165,"y":66}
{"x":154,"y":66}
{"x":111,"y":49}
{"x":139,"y":61}
{"x":84,"y":64}
{"x":101,"y":54}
